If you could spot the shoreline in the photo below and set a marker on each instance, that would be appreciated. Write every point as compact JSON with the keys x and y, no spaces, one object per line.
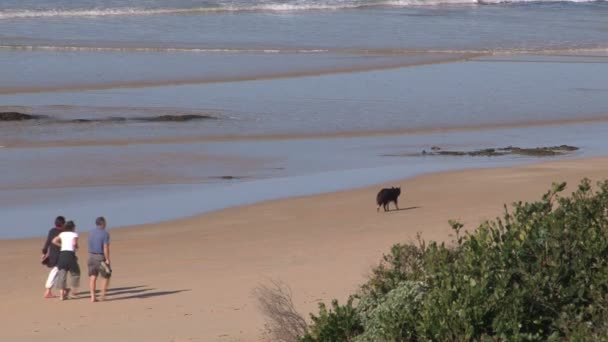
{"x":391,"y":59}
{"x":192,"y":278}
{"x":409,"y":179}
{"x":432,"y":60}
{"x":287,"y":169}
{"x":599,"y":118}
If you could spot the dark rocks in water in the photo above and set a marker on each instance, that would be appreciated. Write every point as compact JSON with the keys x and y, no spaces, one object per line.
{"x":228,"y":177}
{"x":175,"y":118}
{"x":82,"y":121}
{"x":435,"y":148}
{"x":547,"y":151}
{"x":16,"y":116}
{"x":162,"y":118}
{"x":541,"y":151}
{"x":488,"y":152}
{"x":110,"y":120}
{"x":566,"y":148}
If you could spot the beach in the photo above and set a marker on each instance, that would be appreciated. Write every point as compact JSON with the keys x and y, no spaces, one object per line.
{"x":192,"y":279}
{"x":233,"y":143}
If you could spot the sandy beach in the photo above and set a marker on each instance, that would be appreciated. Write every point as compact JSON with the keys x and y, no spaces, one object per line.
{"x":232,"y":143}
{"x":192,"y":279}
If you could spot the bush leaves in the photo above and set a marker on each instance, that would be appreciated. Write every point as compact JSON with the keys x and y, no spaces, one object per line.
{"x":538,"y":273}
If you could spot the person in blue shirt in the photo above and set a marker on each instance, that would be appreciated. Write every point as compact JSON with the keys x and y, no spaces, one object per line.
{"x":99,"y":258}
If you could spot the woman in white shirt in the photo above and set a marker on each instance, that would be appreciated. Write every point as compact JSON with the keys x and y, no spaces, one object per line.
{"x":68,"y":243}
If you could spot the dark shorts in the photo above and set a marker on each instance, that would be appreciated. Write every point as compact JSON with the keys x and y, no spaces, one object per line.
{"x":67,"y":266}
{"x":94,"y":264}
{"x":68,"y":262}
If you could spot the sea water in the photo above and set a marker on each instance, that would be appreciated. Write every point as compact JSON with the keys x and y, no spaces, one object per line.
{"x":267,"y":68}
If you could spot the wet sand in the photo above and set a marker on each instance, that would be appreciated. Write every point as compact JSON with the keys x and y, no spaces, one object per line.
{"x":191,"y":279}
{"x":26,"y":143}
{"x":339,"y":64}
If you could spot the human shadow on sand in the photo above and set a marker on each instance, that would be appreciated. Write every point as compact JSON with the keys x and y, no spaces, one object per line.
{"x":125,"y":288}
{"x":140,"y":294}
{"x":117,"y":291}
{"x":128,"y":292}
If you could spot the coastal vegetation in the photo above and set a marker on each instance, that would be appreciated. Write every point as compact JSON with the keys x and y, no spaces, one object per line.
{"x":540,"y":272}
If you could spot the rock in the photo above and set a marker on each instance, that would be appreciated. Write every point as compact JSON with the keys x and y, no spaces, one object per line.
{"x":567,"y":148}
{"x":537,"y":151}
{"x":81,"y":121}
{"x":541,"y":151}
{"x":451,"y":153}
{"x":435,"y":148}
{"x":547,"y":151}
{"x":110,"y":120}
{"x":16,"y":116}
{"x":175,"y":118}
{"x":227,"y":177}
{"x":116,"y":119}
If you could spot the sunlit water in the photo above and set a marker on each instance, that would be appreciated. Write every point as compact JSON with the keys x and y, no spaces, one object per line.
{"x":264,"y":68}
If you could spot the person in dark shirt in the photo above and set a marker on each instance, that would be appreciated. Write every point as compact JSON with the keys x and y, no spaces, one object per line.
{"x":50,"y":255}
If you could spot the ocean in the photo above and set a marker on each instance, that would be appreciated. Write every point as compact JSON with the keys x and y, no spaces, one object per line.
{"x":298,"y":96}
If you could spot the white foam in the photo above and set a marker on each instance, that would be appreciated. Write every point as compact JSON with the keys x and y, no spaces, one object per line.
{"x":574,"y":50}
{"x":75,"y":48}
{"x":264,"y":7}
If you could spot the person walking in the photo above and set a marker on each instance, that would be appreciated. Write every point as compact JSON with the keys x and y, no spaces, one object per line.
{"x":67,"y":263}
{"x":99,"y":258}
{"x":50,"y":256}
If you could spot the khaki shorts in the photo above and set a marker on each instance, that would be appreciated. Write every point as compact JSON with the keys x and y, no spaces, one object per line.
{"x":66,"y":279}
{"x":94,"y":264}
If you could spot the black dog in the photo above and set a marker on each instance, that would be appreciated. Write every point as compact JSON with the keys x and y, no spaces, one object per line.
{"x":386,"y":196}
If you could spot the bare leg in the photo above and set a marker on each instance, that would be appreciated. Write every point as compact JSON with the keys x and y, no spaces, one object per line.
{"x":92,"y":285}
{"x":104,"y":287}
{"x":396,"y":205}
{"x":74,"y":284}
{"x":61,"y":284}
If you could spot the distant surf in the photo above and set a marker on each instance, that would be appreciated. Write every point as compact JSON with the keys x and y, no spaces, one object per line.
{"x":210,"y":7}
{"x":595,"y":50}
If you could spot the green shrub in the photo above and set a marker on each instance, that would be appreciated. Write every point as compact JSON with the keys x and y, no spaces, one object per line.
{"x":404,"y":263}
{"x":539,"y":273}
{"x":339,"y":323}
{"x":395,"y":317}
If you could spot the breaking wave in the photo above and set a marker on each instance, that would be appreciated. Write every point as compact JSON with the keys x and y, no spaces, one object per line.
{"x":252,"y":6}
{"x":594,"y":50}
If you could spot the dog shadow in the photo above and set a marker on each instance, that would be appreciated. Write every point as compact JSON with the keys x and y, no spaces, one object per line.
{"x":402,"y":209}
